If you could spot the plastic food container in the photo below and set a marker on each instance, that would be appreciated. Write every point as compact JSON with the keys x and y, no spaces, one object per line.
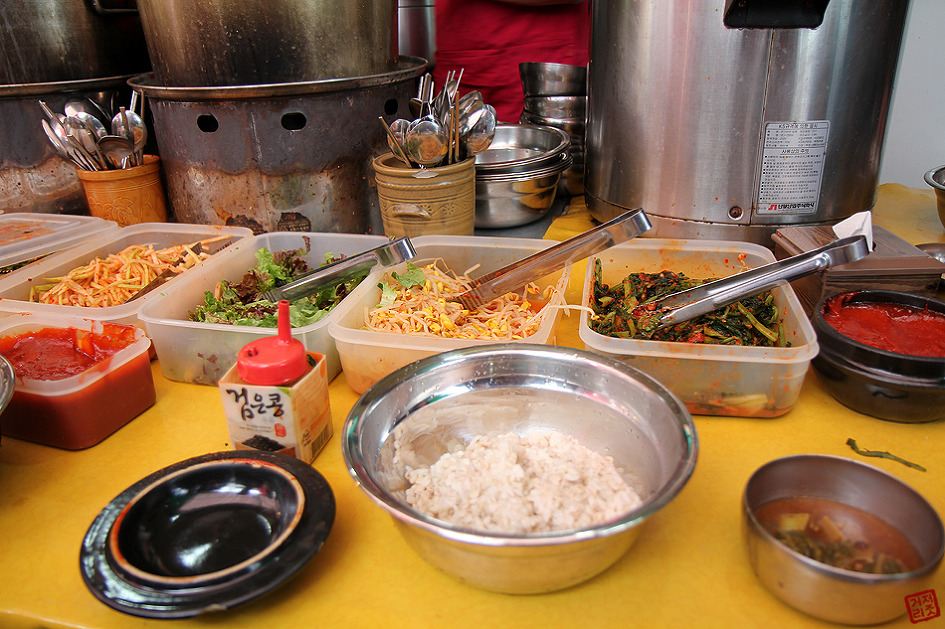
{"x":25,"y":236}
{"x":15,"y":287}
{"x":202,"y":353}
{"x":81,"y":410}
{"x":709,"y":379}
{"x":367,"y":356}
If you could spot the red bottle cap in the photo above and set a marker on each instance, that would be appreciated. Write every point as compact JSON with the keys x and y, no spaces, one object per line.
{"x":273,"y":360}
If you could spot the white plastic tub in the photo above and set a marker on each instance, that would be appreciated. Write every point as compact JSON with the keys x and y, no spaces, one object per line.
{"x":190,"y":351}
{"x":367,"y":356}
{"x":79,"y":411}
{"x":25,"y":236}
{"x":15,"y":286}
{"x":709,"y":379}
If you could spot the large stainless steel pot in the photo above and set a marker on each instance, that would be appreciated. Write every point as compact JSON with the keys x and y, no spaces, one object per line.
{"x":43,"y":41}
{"x":728,"y":133}
{"x":251,"y":42}
{"x":281,"y":157}
{"x":416,"y":29}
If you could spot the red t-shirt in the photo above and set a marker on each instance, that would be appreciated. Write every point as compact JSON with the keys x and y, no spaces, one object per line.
{"x":488,"y":39}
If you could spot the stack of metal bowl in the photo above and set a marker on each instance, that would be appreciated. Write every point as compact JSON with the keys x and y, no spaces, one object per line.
{"x":556,"y":96}
{"x":517,"y":176}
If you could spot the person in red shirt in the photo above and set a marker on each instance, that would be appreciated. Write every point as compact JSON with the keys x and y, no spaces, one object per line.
{"x":487,"y":39}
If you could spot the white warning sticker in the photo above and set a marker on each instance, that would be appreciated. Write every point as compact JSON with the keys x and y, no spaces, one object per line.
{"x":792,"y":167}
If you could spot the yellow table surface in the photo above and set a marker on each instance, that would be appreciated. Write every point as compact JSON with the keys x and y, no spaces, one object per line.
{"x":687,"y":569}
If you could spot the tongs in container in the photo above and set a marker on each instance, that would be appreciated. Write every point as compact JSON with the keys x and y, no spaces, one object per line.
{"x":339,"y":272}
{"x":691,"y":303}
{"x":167,"y":273}
{"x":516,"y":275}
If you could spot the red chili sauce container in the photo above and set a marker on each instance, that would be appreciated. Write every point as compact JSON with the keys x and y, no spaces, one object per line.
{"x":77,"y":380}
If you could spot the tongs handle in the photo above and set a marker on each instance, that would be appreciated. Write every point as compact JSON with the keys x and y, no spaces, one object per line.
{"x":688,"y":304}
{"x":536,"y":266}
{"x":343,"y":270}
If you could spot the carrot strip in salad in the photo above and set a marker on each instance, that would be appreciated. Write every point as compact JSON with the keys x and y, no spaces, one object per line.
{"x":113,"y":280}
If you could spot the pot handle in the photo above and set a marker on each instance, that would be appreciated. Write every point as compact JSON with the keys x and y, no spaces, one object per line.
{"x":409,"y":209}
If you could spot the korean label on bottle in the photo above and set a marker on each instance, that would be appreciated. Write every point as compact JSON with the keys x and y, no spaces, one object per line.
{"x":792,"y":167}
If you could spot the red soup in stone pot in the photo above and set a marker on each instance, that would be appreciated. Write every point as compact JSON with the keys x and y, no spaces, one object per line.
{"x":899,"y":328}
{"x":882,"y":353}
{"x":75,"y":383}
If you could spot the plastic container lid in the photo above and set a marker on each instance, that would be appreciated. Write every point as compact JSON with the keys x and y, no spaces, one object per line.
{"x":274,"y":360}
{"x":25,"y":236}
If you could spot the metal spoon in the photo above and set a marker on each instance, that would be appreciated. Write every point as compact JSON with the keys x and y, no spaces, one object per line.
{"x":427,"y":142}
{"x":399,"y":129}
{"x":129,"y":125}
{"x":62,"y":149}
{"x":117,"y":149}
{"x":477,"y":130}
{"x":87,"y":106}
{"x":86,"y":135}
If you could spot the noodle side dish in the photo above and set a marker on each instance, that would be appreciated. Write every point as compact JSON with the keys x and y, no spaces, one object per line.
{"x":113,"y":280}
{"x":422,"y":301}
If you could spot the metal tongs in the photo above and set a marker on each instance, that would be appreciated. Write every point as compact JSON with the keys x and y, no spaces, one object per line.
{"x":339,"y":272}
{"x":167,"y":273}
{"x":513,"y":276}
{"x":688,"y":304}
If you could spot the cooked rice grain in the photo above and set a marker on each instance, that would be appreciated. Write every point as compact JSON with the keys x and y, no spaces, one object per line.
{"x":541,"y":482}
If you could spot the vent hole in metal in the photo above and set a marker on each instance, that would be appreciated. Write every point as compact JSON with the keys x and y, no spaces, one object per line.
{"x":207,"y":123}
{"x":391,"y":106}
{"x":293,"y":121}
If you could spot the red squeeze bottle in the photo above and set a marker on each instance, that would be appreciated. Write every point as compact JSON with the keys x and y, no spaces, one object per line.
{"x":274,"y":360}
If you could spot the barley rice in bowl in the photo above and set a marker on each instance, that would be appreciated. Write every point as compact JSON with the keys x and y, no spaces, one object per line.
{"x":520,"y":468}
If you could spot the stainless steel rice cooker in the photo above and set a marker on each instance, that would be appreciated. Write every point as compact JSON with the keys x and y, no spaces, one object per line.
{"x":726,"y":119}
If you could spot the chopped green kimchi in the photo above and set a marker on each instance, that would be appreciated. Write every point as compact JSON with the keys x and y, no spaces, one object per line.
{"x":242,"y":304}
{"x":621,"y":311}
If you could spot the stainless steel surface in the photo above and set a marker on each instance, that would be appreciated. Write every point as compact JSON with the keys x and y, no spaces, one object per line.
{"x":518,"y":148}
{"x":449,"y":398}
{"x":688,"y":304}
{"x":513,"y":276}
{"x":129,"y":125}
{"x":678,"y":106}
{"x":45,"y":41}
{"x":517,"y":199}
{"x":416,"y":29}
{"x":219,"y":43}
{"x":477,"y":131}
{"x":343,"y":270}
{"x":552,"y":79}
{"x":821,"y":590}
{"x":936,"y":179}
{"x":284,"y":157}
{"x":572,"y":108}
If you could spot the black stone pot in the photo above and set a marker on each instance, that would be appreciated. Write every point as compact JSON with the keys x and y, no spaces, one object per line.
{"x":876,"y":382}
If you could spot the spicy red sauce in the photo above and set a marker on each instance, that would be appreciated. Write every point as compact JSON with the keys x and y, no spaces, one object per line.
{"x":891,"y":327}
{"x":58,"y":353}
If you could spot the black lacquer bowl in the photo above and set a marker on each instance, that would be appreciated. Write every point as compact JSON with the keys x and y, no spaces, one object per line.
{"x":876,"y":382}
{"x":207,"y":534}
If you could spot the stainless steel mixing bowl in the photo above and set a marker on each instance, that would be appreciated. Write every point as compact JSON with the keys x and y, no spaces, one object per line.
{"x":515,"y":199}
{"x":521,"y":148}
{"x":821,"y":590}
{"x":550,"y":79}
{"x":439,"y":403}
{"x":936,"y":179}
